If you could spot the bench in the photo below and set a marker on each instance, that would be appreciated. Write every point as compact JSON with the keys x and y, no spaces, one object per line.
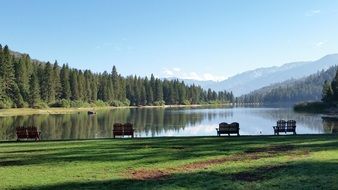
{"x":27,"y":133}
{"x":225,"y":128}
{"x":120,"y":129}
{"x":285,"y":127}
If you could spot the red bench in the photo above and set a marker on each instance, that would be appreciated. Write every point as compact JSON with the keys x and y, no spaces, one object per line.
{"x":120,"y":129}
{"x":27,"y":133}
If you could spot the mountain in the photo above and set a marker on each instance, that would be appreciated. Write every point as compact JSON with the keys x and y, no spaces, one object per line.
{"x":248,"y":81}
{"x":291,"y":91}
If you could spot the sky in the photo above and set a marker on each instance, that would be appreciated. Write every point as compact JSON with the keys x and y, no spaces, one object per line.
{"x":195,"y":39}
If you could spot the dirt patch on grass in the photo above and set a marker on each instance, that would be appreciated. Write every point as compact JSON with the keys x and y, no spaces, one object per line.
{"x":144,"y":174}
{"x":257,"y":174}
{"x":251,"y":154}
{"x":271,"y":149}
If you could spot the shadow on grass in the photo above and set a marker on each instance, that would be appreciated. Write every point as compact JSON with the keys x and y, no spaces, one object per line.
{"x":301,"y":175}
{"x":152,"y":151}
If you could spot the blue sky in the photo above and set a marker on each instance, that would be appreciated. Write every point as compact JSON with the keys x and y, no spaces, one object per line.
{"x":197,"y":39}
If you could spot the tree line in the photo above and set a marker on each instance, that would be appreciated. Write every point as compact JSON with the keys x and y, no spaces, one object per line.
{"x":30,"y":83}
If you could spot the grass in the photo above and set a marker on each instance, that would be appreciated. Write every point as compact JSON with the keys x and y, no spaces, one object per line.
{"x":255,"y":162}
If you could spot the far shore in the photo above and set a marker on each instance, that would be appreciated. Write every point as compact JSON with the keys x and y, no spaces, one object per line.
{"x":31,"y":111}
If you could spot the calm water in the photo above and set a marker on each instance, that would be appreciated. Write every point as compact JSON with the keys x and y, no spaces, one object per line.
{"x":151,"y":122}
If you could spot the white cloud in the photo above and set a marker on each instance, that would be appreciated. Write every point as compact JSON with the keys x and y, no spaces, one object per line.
{"x":320,"y":44}
{"x":179,"y":73}
{"x":313,"y":12}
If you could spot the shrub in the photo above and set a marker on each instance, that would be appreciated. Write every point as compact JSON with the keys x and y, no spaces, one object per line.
{"x":159,"y":103}
{"x":40,"y":105}
{"x":186,"y":102}
{"x":79,"y":104}
{"x":99,"y":103}
{"x":6,"y":103}
{"x":61,"y":104}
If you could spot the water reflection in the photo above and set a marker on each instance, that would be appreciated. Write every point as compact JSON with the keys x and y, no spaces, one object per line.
{"x":163,"y":122}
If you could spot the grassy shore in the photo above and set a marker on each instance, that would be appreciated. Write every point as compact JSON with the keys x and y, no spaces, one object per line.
{"x":253,"y":162}
{"x":31,"y":111}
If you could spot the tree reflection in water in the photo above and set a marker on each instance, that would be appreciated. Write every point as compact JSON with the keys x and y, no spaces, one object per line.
{"x":161,"y":121}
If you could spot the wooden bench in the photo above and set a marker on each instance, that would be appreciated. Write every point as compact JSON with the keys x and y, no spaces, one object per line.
{"x":120,"y":129}
{"x":285,"y":127}
{"x":27,"y":133}
{"x":225,"y":128}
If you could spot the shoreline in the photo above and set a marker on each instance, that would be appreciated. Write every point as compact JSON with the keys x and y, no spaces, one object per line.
{"x":55,"y":111}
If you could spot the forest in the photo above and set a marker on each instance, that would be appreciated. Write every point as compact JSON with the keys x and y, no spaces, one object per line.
{"x":25,"y":82}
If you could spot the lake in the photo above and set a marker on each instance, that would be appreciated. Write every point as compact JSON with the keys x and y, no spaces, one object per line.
{"x":155,"y":122}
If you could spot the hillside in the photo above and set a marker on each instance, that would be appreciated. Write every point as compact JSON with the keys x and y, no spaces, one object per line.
{"x":248,"y":81}
{"x":294,"y":90}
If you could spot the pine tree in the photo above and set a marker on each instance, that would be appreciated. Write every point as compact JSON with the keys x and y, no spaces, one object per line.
{"x":74,"y":86}
{"x":57,"y":81}
{"x":334,"y":86}
{"x":64,"y":79}
{"x":116,"y":84}
{"x":34,"y":90}
{"x":47,"y":88}
{"x":7,"y":73}
{"x":22,"y":77}
{"x":327,"y":94}
{"x":159,"y":90}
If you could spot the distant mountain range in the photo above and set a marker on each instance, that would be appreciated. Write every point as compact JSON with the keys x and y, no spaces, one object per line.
{"x":249,"y":81}
{"x":291,"y":91}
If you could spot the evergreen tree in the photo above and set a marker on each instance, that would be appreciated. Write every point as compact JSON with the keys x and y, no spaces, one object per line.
{"x":22,"y":77}
{"x":158,"y":90}
{"x":47,"y":88}
{"x":64,"y":79}
{"x":327,"y":94}
{"x":57,"y":81}
{"x":7,"y":73}
{"x":34,"y":90}
{"x":75,"y":95}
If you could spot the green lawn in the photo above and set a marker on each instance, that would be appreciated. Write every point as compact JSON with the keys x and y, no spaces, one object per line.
{"x":256,"y":162}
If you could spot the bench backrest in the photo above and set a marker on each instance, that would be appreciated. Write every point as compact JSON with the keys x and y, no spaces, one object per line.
{"x":291,"y":123}
{"x":281,"y":123}
{"x":32,"y":132}
{"x":21,"y":132}
{"x":229,"y":127}
{"x":128,"y":127}
{"x":118,"y":127}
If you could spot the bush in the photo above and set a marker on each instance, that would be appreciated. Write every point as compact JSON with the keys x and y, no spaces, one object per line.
{"x":99,"y":103}
{"x":116,"y":103}
{"x":126,"y":102}
{"x":186,"y":102}
{"x":79,"y":104}
{"x":159,"y":103}
{"x":61,"y":104}
{"x":40,"y":105}
{"x":6,"y":103}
